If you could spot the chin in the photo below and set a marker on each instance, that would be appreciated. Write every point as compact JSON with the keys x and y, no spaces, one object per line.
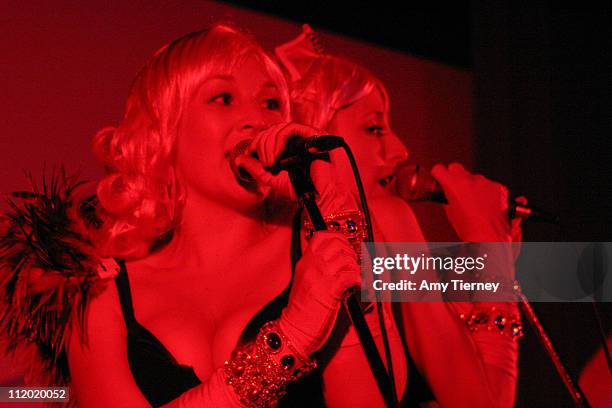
{"x":246,"y":200}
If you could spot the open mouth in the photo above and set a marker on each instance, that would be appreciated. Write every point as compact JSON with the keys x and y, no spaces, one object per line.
{"x":242,"y":176}
{"x":385,"y":181}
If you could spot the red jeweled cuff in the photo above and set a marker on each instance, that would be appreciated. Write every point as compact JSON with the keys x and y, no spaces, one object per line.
{"x":260,"y":372}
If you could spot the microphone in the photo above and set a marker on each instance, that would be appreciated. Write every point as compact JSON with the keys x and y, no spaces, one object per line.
{"x":415,"y":184}
{"x":297,"y":150}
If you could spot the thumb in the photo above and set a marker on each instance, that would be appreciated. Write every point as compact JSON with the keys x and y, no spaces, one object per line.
{"x":440,"y":173}
{"x":444,"y":177}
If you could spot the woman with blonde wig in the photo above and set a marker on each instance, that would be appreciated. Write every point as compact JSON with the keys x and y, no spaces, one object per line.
{"x":463,"y":368}
{"x":178,"y":285}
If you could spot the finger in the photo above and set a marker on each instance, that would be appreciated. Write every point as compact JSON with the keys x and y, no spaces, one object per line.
{"x":439,"y":171}
{"x":457,"y":168}
{"x":516,"y":224}
{"x":275,"y":144}
{"x":305,"y":131}
{"x":323,"y":175}
{"x":348,"y":278}
{"x":331,"y":244}
{"x":332,"y":266}
{"x":516,"y":231}
{"x":479,"y":178}
{"x":325,"y":239}
{"x":282,"y":187}
{"x":446,"y":180}
{"x":261,"y":143}
{"x":521,"y":200}
{"x":503,"y":190}
{"x":254,"y":168}
{"x":272,"y":141}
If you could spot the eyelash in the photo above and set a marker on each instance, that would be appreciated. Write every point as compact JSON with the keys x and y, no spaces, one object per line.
{"x":226,"y":98}
{"x":272,"y":104}
{"x":375,"y":130}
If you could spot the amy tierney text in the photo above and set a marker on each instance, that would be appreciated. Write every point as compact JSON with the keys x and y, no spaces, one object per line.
{"x":424,"y":285}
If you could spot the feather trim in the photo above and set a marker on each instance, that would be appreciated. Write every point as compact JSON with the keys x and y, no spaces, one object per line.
{"x":48,"y":271}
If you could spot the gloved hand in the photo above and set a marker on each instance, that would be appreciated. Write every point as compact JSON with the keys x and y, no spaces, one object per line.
{"x":477,"y":207}
{"x":333,"y":195}
{"x":326,"y":271}
{"x":329,"y":266}
{"x":268,"y":145}
{"x":478,"y":210}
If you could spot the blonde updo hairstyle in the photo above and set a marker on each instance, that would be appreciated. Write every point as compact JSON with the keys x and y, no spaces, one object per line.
{"x":140,"y":197}
{"x":331,"y":84}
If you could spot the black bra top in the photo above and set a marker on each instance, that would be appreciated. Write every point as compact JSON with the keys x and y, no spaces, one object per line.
{"x":156,"y":372}
{"x":162,"y":379}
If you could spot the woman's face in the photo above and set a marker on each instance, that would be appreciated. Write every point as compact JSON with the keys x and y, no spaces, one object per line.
{"x":365,"y":127}
{"x":225,"y":109}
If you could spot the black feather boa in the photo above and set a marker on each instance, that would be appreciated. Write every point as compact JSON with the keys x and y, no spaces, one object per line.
{"x":48,"y":271}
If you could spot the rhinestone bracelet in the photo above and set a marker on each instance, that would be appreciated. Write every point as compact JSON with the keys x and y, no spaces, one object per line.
{"x":350,"y":223}
{"x":257,"y":377}
{"x":493,"y":319}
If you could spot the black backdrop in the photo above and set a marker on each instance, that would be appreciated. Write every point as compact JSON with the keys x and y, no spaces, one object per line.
{"x":542,"y":123}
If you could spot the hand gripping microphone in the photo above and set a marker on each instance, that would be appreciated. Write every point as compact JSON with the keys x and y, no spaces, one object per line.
{"x":296,"y":150}
{"x":415,"y":184}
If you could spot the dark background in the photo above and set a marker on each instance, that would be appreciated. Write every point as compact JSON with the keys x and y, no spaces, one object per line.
{"x":518,"y":92}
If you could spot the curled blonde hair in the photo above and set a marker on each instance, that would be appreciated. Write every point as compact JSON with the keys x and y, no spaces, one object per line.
{"x":141,"y":197}
{"x":329,"y":85}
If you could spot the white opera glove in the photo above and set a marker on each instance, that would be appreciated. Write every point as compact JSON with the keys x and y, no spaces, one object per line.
{"x":214,"y":392}
{"x":268,"y":145}
{"x":329,"y":266}
{"x":327,"y":270}
{"x":478,"y":210}
{"x":477,"y":207}
{"x":322,"y":277}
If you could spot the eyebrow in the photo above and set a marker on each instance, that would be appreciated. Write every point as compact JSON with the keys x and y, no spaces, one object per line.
{"x":375,"y":115}
{"x":219,"y":77}
{"x":269,"y":84}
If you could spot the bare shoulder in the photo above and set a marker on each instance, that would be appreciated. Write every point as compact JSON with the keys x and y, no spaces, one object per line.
{"x":97,"y":355}
{"x":102,"y":315}
{"x":98,"y":333}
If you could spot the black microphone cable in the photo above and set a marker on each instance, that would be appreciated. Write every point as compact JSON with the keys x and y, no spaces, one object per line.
{"x":370,"y":238}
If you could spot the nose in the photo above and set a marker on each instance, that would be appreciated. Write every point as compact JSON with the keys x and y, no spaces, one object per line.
{"x":394,"y":151}
{"x":250,"y":127}
{"x":252,"y":122}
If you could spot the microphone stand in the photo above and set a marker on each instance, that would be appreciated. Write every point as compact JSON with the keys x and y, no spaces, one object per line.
{"x":299,"y":174}
{"x":574,"y":390}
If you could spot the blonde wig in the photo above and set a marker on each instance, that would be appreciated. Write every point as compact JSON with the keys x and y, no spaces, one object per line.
{"x":141,"y":197}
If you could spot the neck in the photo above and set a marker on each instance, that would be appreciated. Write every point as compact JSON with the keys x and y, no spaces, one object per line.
{"x":211,"y":229}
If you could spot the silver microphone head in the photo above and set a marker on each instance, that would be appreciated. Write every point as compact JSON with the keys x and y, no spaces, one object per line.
{"x":243,"y":177}
{"x":414,"y":183}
